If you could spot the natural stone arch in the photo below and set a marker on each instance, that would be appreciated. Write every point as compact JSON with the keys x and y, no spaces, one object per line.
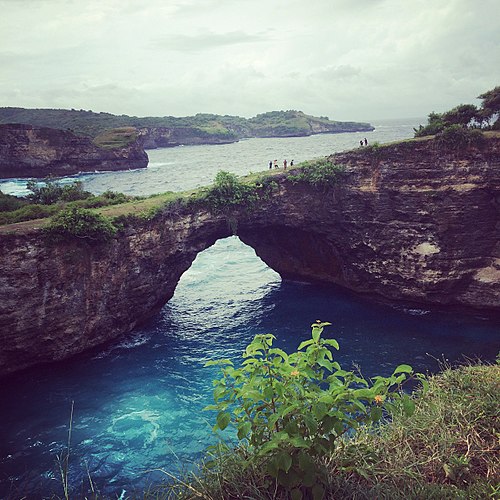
{"x":427,"y":231}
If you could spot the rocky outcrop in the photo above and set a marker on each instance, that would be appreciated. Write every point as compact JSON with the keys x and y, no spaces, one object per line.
{"x":29,"y":151}
{"x":407,"y":222}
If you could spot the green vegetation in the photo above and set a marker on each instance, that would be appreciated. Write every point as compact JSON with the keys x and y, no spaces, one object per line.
{"x":447,"y":448}
{"x":467,"y":116}
{"x":320,"y":173}
{"x":48,"y":198}
{"x":51,"y":192}
{"x":201,"y":125}
{"x":116,"y":138}
{"x":82,"y":224}
{"x":228,"y":194}
{"x":290,"y":410}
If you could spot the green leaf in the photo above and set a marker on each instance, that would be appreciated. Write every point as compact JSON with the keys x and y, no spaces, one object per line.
{"x":279,"y":352}
{"x":363,"y":393}
{"x":283,"y":461}
{"x":403,"y":369}
{"x":408,"y":406}
{"x":311,"y":423}
{"x":326,"y":398}
{"x":319,"y":410}
{"x":306,"y":463}
{"x":318,"y":492}
{"x":223,"y":419}
{"x":305,"y":344}
{"x":325,"y":364}
{"x":243,"y":430}
{"x":296,"y":494}
{"x":316,"y":332}
{"x":298,"y":442}
{"x":219,"y":392}
{"x":333,"y":343}
{"x":376,"y":414}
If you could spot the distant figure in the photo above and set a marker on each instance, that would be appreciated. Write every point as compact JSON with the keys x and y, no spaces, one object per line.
{"x":366,"y":142}
{"x":270,"y":164}
{"x":284,"y":164}
{"x":275,"y":163}
{"x":291,"y":163}
{"x":361,"y":143}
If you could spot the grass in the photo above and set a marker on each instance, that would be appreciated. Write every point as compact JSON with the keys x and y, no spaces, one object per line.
{"x":448,"y":449}
{"x":116,"y":138}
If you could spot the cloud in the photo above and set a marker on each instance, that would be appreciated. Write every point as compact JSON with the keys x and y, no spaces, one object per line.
{"x":344,"y":59}
{"x":207,"y":40}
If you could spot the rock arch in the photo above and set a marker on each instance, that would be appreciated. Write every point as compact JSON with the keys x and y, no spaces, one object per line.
{"x":428,"y":230}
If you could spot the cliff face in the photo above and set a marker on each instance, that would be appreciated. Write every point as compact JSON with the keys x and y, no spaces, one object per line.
{"x":166,"y":137}
{"x":406,"y":222}
{"x":29,"y":151}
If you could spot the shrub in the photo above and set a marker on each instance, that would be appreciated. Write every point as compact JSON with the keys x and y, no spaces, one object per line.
{"x":290,"y":410}
{"x":458,"y":137}
{"x":9,"y":203}
{"x":52,"y":192}
{"x":79,"y":223}
{"x":317,"y":173}
{"x":228,"y":192}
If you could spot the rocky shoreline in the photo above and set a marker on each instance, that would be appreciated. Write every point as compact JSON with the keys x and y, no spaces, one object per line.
{"x":31,"y":151}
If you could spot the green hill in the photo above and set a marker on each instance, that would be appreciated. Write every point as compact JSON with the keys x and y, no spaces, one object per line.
{"x":200,"y":128}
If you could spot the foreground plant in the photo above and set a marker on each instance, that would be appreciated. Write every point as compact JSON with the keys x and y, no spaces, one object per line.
{"x":290,"y":410}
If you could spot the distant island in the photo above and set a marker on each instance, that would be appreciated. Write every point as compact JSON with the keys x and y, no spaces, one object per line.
{"x":168,"y":131}
{"x":43,"y":142}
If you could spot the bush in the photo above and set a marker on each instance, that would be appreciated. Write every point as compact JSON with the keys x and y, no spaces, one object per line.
{"x":79,"y":223}
{"x":457,"y":137}
{"x":52,"y":192}
{"x":291,"y":410}
{"x":228,"y":192}
{"x":9,"y":203}
{"x":317,"y":173}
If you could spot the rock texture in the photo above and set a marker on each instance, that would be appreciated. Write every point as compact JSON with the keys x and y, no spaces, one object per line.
{"x":407,"y":222}
{"x":29,"y":151}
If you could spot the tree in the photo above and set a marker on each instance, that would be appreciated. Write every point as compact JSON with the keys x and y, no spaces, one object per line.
{"x":461,"y":115}
{"x":491,"y":106}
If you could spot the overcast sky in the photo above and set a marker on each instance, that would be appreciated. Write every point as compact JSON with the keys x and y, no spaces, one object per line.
{"x":347,"y":59}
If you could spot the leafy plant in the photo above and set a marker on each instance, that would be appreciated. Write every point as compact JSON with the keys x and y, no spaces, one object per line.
{"x":318,"y":173}
{"x":228,"y":192}
{"x":458,"y":137}
{"x":52,"y":192}
{"x":290,"y":409}
{"x":79,"y":223}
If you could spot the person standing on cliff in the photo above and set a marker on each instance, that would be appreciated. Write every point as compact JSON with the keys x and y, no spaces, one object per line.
{"x":361,"y":143}
{"x":284,"y":164}
{"x":270,"y":164}
{"x":366,"y":142}
{"x":291,"y":163}
{"x":275,"y":163}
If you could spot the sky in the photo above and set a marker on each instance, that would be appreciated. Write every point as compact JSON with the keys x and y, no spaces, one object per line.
{"x":346,"y":59}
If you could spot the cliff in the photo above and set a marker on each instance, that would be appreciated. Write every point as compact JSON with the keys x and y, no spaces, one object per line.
{"x":407,"y":222}
{"x":29,"y":151}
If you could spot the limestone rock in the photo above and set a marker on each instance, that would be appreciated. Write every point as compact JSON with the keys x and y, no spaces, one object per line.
{"x":29,"y":151}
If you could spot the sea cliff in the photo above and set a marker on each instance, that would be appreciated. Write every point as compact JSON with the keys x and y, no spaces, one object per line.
{"x":31,"y":151}
{"x":414,"y":221}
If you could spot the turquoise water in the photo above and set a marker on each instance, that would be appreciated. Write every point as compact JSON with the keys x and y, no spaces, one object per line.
{"x":138,"y":401}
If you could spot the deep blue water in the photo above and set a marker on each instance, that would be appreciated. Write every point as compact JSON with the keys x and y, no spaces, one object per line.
{"x":138,"y":401}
